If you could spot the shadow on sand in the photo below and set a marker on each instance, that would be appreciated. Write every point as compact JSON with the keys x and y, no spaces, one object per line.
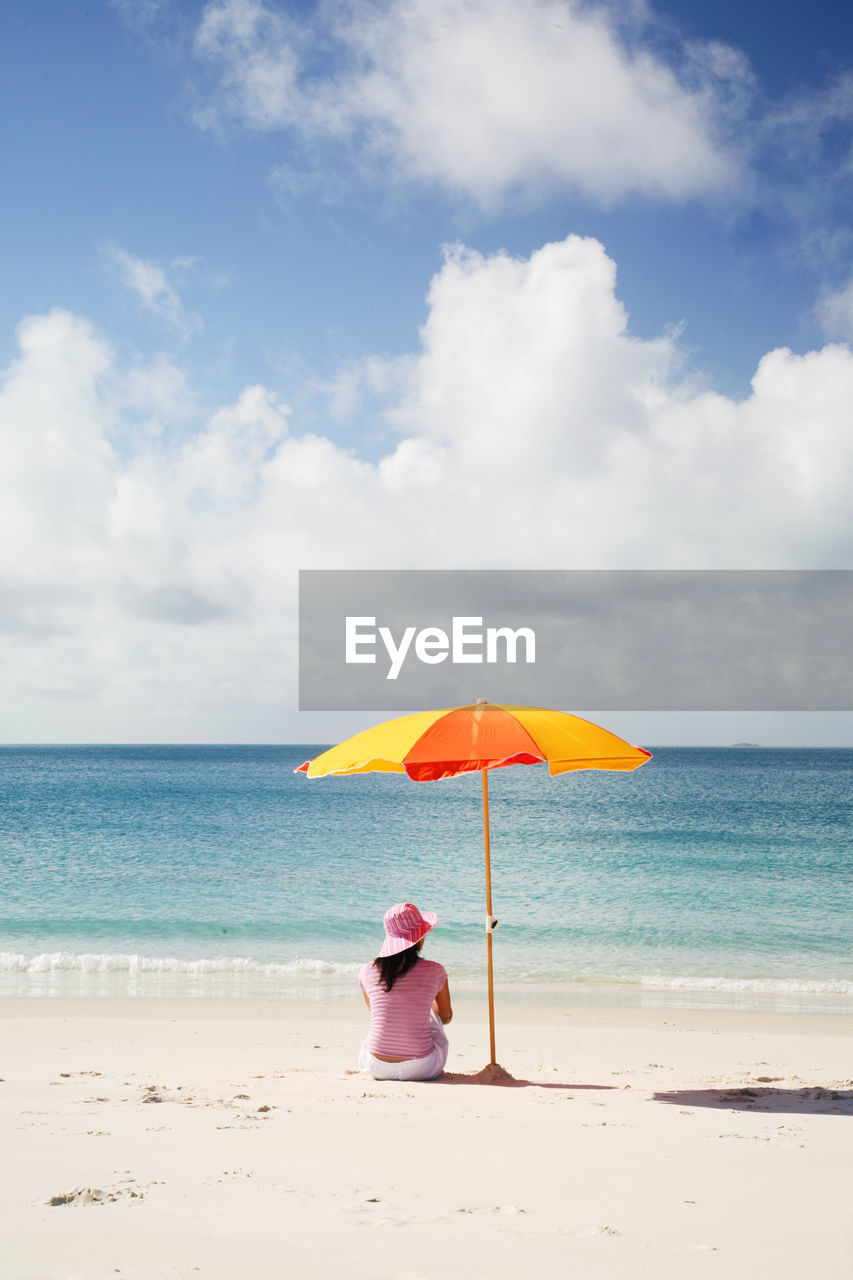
{"x":495,"y":1074}
{"x":815,"y":1100}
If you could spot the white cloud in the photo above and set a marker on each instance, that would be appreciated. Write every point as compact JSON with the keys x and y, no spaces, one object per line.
{"x":488,"y":98}
{"x":557,"y":424}
{"x":803,"y":122}
{"x":256,"y":50}
{"x":804,"y":144}
{"x":141,"y":13}
{"x":156,"y":397}
{"x":150,"y":282}
{"x":835,"y":312}
{"x":372,"y":376}
{"x":56,"y":459}
{"x":148,"y":579}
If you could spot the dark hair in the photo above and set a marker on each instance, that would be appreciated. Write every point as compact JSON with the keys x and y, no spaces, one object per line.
{"x":393,"y":967}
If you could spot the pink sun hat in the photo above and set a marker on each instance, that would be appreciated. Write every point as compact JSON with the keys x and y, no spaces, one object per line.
{"x":404,"y":927}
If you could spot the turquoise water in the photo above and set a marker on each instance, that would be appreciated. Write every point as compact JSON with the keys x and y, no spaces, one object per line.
{"x":715,"y":875}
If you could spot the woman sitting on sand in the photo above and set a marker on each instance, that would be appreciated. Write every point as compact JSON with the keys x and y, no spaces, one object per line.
{"x":408,"y":999}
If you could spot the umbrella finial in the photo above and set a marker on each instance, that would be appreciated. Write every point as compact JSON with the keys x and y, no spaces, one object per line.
{"x":479,"y":700}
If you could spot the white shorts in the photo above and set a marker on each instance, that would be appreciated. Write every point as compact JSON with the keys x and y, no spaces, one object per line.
{"x":411,"y":1068}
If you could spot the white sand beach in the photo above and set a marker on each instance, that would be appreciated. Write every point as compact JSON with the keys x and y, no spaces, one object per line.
{"x":156,"y":1138}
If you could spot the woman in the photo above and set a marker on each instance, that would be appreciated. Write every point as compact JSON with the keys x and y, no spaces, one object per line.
{"x":409,"y":1001}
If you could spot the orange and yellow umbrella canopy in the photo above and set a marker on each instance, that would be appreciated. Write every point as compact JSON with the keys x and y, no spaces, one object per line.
{"x":485,"y":735}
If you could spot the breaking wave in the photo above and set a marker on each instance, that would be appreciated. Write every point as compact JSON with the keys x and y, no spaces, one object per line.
{"x":780,"y":986}
{"x":135,"y":965}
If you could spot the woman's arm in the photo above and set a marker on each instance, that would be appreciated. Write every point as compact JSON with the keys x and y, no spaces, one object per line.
{"x":441,"y":1004}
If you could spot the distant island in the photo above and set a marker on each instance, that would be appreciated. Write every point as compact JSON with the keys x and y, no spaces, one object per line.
{"x":744,"y":744}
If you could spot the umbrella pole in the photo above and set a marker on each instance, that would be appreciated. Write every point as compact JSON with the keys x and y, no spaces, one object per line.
{"x":489,"y":915}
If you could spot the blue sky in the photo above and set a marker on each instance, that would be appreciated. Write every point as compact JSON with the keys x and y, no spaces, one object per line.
{"x":400,"y":284}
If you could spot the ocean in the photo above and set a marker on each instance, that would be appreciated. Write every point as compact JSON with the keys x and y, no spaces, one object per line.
{"x":715,"y":877}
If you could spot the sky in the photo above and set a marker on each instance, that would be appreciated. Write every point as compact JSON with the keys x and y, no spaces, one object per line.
{"x":451,"y":284}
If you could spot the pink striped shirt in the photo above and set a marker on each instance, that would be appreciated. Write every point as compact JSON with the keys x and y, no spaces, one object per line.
{"x":399,"y":1018}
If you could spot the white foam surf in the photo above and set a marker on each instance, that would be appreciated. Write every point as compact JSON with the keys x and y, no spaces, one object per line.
{"x":772,"y":986}
{"x":60,"y":962}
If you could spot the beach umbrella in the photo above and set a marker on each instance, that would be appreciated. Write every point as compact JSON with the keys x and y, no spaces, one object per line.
{"x":442,"y":744}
